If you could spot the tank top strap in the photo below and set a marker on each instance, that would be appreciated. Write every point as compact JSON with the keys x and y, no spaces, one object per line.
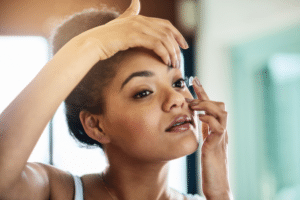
{"x":78,"y":188}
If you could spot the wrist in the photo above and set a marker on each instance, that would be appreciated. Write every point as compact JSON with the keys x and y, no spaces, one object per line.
{"x":85,"y":47}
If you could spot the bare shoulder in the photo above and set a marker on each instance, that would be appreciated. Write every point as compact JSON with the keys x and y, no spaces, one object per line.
{"x":40,"y":181}
{"x":61,"y":183}
{"x":32,"y":184}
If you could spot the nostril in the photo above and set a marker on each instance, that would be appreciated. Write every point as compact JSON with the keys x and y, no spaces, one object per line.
{"x":173,"y":98}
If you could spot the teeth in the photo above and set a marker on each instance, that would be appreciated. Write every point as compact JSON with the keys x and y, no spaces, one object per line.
{"x":180,"y":123}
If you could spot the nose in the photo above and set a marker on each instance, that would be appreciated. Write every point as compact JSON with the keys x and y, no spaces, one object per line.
{"x":173,"y":100}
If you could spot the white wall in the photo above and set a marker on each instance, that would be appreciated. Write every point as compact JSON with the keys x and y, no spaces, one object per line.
{"x":222,"y":24}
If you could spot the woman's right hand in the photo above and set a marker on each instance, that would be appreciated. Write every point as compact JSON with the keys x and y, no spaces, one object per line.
{"x":132,"y":30}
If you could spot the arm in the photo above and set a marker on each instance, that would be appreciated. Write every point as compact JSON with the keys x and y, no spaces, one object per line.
{"x":23,"y":121}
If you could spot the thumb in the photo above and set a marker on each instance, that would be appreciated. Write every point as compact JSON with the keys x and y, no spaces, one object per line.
{"x":133,"y":9}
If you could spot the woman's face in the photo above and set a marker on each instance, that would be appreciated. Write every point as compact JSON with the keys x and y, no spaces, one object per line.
{"x":143,"y":100}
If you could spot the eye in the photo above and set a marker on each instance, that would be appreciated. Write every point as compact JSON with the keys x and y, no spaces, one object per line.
{"x":179,"y":83}
{"x":142,"y":94}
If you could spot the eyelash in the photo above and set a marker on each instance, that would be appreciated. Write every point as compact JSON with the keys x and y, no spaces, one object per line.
{"x":145,"y":93}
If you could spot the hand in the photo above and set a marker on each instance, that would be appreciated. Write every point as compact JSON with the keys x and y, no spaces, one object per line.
{"x":214,"y":153}
{"x":132,"y":30}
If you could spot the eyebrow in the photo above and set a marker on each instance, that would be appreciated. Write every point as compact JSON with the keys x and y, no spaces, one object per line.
{"x":141,"y":74}
{"x":137,"y":74}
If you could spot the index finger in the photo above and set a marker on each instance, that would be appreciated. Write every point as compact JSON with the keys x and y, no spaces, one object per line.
{"x":200,"y":92}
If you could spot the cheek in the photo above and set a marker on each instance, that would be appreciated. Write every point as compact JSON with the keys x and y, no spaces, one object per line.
{"x":135,"y":127}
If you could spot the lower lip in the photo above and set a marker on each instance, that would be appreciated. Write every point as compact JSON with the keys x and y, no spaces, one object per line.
{"x":181,"y":128}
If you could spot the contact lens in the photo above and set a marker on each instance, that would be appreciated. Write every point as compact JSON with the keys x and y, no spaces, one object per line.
{"x":189,"y":81}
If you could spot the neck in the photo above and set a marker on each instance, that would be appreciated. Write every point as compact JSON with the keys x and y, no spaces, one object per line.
{"x":131,"y":179}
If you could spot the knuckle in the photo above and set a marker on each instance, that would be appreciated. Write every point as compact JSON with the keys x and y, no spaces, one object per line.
{"x":165,"y":54}
{"x":159,"y":49}
{"x":157,"y":43}
{"x":164,"y":36}
{"x":221,"y":130}
{"x":224,"y":113}
{"x":205,"y":104}
{"x":222,"y":105}
{"x":168,"y":31}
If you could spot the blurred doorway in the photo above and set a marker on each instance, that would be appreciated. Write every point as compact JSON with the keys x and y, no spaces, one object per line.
{"x":267,"y":102}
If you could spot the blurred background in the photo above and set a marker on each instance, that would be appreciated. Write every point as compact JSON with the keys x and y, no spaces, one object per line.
{"x":246,"y":54}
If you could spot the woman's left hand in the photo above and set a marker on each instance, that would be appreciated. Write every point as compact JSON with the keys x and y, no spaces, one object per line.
{"x":214,"y":154}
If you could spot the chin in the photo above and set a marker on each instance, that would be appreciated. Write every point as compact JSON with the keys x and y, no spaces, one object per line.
{"x":186,"y":146}
{"x":191,"y":146}
{"x":191,"y":142}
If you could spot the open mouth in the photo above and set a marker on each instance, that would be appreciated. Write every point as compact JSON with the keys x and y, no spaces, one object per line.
{"x":180,"y":124}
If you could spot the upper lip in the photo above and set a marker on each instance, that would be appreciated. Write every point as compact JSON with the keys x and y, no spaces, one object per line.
{"x":181,"y":118}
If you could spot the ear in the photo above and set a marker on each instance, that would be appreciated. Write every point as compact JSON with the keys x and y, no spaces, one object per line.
{"x":92,"y":126}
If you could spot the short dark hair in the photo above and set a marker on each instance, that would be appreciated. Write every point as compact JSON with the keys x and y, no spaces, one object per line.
{"x":88,"y":94}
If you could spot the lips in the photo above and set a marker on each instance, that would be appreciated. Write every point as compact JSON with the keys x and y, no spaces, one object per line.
{"x":181,"y":123}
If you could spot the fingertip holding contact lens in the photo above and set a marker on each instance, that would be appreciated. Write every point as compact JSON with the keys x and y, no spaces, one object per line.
{"x":189,"y":81}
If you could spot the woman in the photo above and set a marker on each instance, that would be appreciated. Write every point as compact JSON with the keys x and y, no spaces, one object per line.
{"x":120,"y":96}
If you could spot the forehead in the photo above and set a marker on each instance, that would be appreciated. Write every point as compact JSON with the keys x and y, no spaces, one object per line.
{"x":138,"y":59}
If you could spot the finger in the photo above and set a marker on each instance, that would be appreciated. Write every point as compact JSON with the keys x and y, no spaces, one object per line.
{"x":177,"y":51}
{"x":220,"y":104}
{"x":133,"y":9}
{"x":201,"y":94}
{"x":153,"y":44}
{"x":216,"y":129}
{"x":169,"y":42}
{"x":173,"y":48}
{"x":177,"y":35}
{"x":210,"y":108}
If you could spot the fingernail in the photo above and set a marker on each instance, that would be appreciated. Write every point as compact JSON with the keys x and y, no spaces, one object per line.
{"x":188,"y":100}
{"x":174,"y":64}
{"x":186,"y":45}
{"x":197,"y":81}
{"x":170,"y":62}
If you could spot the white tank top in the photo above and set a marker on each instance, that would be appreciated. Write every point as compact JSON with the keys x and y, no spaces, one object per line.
{"x":79,"y":191}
